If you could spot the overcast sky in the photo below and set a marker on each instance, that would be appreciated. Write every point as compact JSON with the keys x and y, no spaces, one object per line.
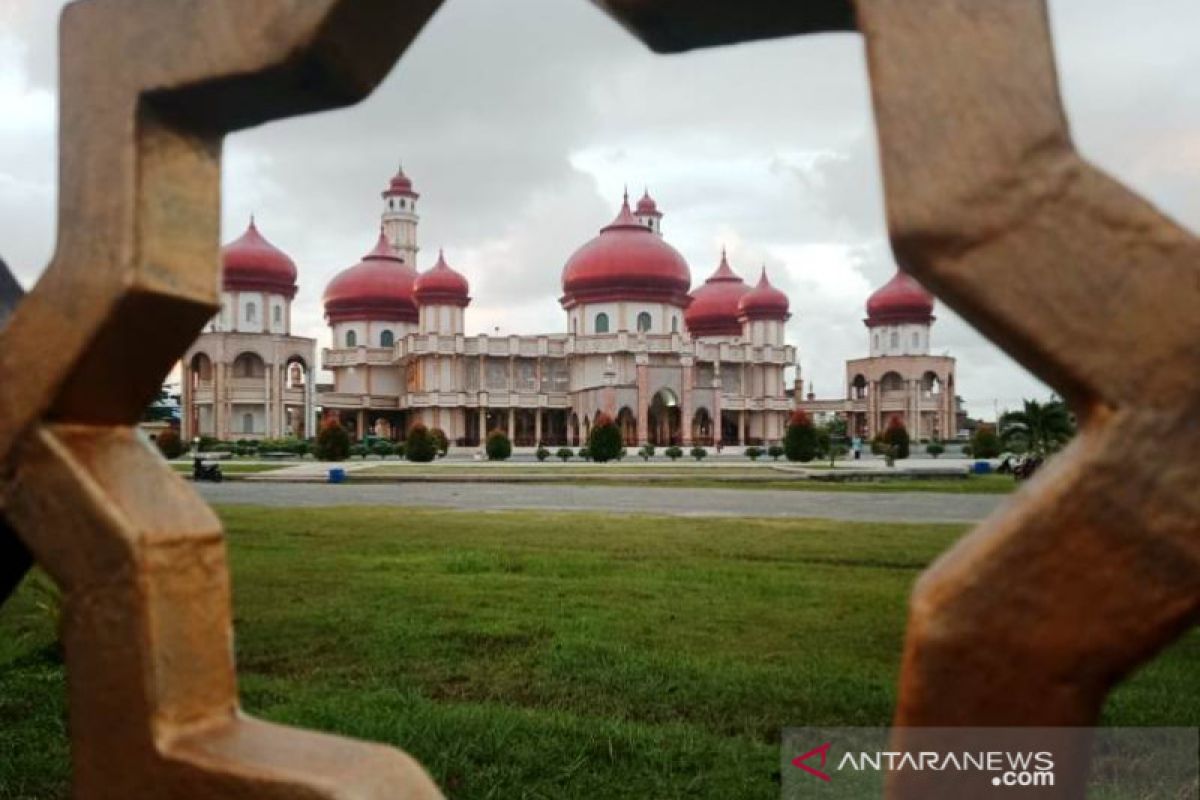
{"x":520,"y":122}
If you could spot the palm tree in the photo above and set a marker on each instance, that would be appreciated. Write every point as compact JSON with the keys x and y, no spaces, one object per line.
{"x":1039,"y":428}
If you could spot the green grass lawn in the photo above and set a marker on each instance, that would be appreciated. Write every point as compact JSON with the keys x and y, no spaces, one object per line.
{"x":529,"y":655}
{"x":234,"y":467}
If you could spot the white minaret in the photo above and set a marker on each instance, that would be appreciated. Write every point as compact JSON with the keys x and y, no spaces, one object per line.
{"x":648,"y":214}
{"x":400,"y":217}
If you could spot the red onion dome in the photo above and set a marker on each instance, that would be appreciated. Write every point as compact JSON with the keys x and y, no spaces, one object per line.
{"x":627,"y":261}
{"x":900,"y":300}
{"x":764,"y":301}
{"x":380,"y":287}
{"x":252,"y":264}
{"x":441,"y":285}
{"x":714,"y":308}
{"x":646,"y":206}
{"x":400,"y":186}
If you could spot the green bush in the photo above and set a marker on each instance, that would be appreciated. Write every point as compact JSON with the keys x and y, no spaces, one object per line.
{"x":542,"y":453}
{"x":498,"y":447}
{"x":169,"y":443}
{"x":775,"y":451}
{"x":895,"y":437}
{"x":207,"y":443}
{"x":604,"y":442}
{"x":800,"y":442}
{"x":585,"y":454}
{"x":420,"y":446}
{"x":359,"y":450}
{"x":673,"y":452}
{"x":647,"y":452}
{"x":699,"y":453}
{"x":333,"y":443}
{"x":985,"y":443}
{"x":935,"y":449}
{"x":565,"y":453}
{"x":440,"y":442}
{"x":382,"y":449}
{"x":754,"y":453}
{"x":301,"y":448}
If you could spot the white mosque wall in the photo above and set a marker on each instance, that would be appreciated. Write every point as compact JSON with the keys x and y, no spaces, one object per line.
{"x":908,"y":339}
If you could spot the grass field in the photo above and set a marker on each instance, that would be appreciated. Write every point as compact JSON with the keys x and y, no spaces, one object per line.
{"x":233,"y":467}
{"x":528,"y":655}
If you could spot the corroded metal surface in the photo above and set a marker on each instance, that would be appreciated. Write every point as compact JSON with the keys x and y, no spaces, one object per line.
{"x":1095,"y":566}
{"x":140,"y":558}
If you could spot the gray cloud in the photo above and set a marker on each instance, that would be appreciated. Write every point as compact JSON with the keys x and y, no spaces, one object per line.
{"x":520,"y":122}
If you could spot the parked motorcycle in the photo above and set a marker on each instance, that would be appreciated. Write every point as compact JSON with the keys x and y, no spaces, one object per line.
{"x":206,"y":472}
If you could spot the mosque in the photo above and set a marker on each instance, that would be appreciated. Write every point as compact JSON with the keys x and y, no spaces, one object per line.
{"x":671,"y":364}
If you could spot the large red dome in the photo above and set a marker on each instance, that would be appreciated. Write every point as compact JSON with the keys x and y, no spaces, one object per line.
{"x":627,"y":261}
{"x":900,"y":300}
{"x":714,"y":308}
{"x":380,"y":287}
{"x":442,"y":285}
{"x":252,"y":264}
{"x":764,"y":301}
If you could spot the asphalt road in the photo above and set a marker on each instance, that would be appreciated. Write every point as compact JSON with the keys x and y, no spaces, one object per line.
{"x":859,"y":506}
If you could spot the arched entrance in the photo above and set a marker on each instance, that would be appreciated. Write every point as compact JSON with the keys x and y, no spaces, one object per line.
{"x":627,"y":422}
{"x":702,"y":428}
{"x":664,"y":419}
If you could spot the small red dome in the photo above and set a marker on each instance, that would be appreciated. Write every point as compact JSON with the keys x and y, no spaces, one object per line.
{"x":380,"y":287}
{"x":646,"y":206}
{"x":441,"y":285}
{"x":252,"y":264}
{"x":714,"y":308}
{"x":400,"y":185}
{"x":764,"y":301}
{"x":900,"y":300}
{"x":627,"y":261}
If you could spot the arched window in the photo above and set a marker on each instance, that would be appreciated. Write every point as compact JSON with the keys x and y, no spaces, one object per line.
{"x":895,"y":340}
{"x":387,"y":339}
{"x":877,"y":342}
{"x":249,"y":365}
{"x":674,"y":324}
{"x":602,"y":323}
{"x":247,"y":423}
{"x":916,"y":339}
{"x":251,"y":312}
{"x":278,"y":314}
{"x":351,"y":339}
{"x":574,"y":325}
{"x":643,"y":322}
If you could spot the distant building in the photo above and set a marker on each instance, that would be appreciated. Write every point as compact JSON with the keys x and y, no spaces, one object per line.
{"x":899,"y":379}
{"x":247,"y":377}
{"x":671,"y":367}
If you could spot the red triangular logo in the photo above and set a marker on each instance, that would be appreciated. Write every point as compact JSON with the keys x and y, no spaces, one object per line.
{"x":822,"y":751}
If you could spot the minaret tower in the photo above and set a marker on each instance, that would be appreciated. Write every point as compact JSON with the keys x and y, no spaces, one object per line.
{"x":400,"y":217}
{"x":647,"y":212}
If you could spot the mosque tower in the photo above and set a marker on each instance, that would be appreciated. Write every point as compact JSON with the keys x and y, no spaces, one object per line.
{"x":400,"y":217}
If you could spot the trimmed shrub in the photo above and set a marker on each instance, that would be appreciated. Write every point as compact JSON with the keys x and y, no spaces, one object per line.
{"x":169,"y":443}
{"x":301,"y":448}
{"x":985,"y":443}
{"x":585,"y":454}
{"x":895,"y":437}
{"x":542,"y":453}
{"x":382,"y":449}
{"x":673,"y":452}
{"x":647,"y":452}
{"x":935,"y":449}
{"x":754,"y":453}
{"x":775,"y":451}
{"x":699,"y":453}
{"x":604,"y":442}
{"x":498,"y":447}
{"x":359,"y":450}
{"x":333,"y":443}
{"x":565,"y":453}
{"x":800,"y":442}
{"x":420,"y":445}
{"x":440,"y":443}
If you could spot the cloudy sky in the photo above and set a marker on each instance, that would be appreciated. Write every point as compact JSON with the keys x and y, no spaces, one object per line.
{"x":521,"y":121}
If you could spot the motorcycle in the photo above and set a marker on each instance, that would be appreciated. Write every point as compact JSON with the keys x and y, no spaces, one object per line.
{"x":206,"y":472}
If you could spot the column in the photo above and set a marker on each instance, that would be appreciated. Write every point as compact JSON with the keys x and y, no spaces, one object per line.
{"x":362,"y":424}
{"x":537,"y":425}
{"x":718,"y":426}
{"x":187,"y":403}
{"x":742,"y":427}
{"x":687,"y":412}
{"x":643,"y":403}
{"x":512,"y":422}
{"x":483,"y":431}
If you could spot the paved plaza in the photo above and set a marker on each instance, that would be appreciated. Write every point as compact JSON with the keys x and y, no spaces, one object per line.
{"x":857,"y":506}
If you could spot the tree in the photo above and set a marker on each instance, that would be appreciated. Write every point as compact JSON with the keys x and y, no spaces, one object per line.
{"x":800,"y":441}
{"x":498,"y":447}
{"x":699,"y":453}
{"x":420,"y":446}
{"x":604,"y":442}
{"x":895,"y":437}
{"x":169,"y":443}
{"x":542,"y":453}
{"x":647,"y":452}
{"x":775,"y":451}
{"x":935,"y":448}
{"x":754,"y":453}
{"x":985,"y":443}
{"x":565,"y":453}
{"x":1038,"y":428}
{"x":382,"y":448}
{"x":333,"y":443}
{"x":673,"y":452}
{"x":440,"y":442}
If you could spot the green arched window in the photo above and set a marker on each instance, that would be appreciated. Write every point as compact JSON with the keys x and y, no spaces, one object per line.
{"x":387,"y":339}
{"x":351,"y":339}
{"x":602,"y":323}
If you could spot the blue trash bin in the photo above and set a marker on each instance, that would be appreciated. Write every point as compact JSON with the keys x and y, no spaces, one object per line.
{"x":982,"y":467}
{"x":337,"y":475}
